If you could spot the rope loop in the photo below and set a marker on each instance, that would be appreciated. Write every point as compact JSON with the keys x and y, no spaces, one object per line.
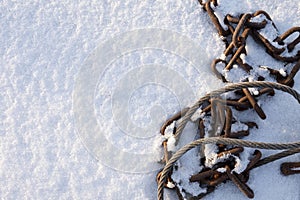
{"x":291,"y":148}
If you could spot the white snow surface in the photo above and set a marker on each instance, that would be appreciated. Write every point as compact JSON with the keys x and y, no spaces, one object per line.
{"x":44,"y":45}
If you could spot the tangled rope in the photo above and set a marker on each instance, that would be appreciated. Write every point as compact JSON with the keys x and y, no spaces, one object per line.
{"x":292,"y":147}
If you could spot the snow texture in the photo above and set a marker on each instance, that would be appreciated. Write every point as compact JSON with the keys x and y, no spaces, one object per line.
{"x":44,"y":45}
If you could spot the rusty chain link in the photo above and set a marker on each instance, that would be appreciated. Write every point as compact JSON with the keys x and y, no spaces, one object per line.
{"x":218,"y":110}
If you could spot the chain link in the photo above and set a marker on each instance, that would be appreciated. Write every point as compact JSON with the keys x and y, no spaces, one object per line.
{"x":234,"y":31}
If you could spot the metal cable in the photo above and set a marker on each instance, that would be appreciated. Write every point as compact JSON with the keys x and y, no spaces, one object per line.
{"x":277,"y":156}
{"x":292,"y":147}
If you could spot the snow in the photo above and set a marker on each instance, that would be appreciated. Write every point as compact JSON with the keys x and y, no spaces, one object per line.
{"x":169,"y":130}
{"x":85,"y":86}
{"x":191,"y":166}
{"x":171,"y":144}
{"x":240,"y":165}
{"x":236,"y":74}
{"x":282,"y":72}
{"x":170,"y":185}
{"x":235,"y":127}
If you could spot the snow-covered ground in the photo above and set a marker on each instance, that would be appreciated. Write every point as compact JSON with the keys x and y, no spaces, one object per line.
{"x":85,"y":86}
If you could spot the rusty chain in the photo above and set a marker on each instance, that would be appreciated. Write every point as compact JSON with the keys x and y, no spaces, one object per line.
{"x":216,"y":117}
